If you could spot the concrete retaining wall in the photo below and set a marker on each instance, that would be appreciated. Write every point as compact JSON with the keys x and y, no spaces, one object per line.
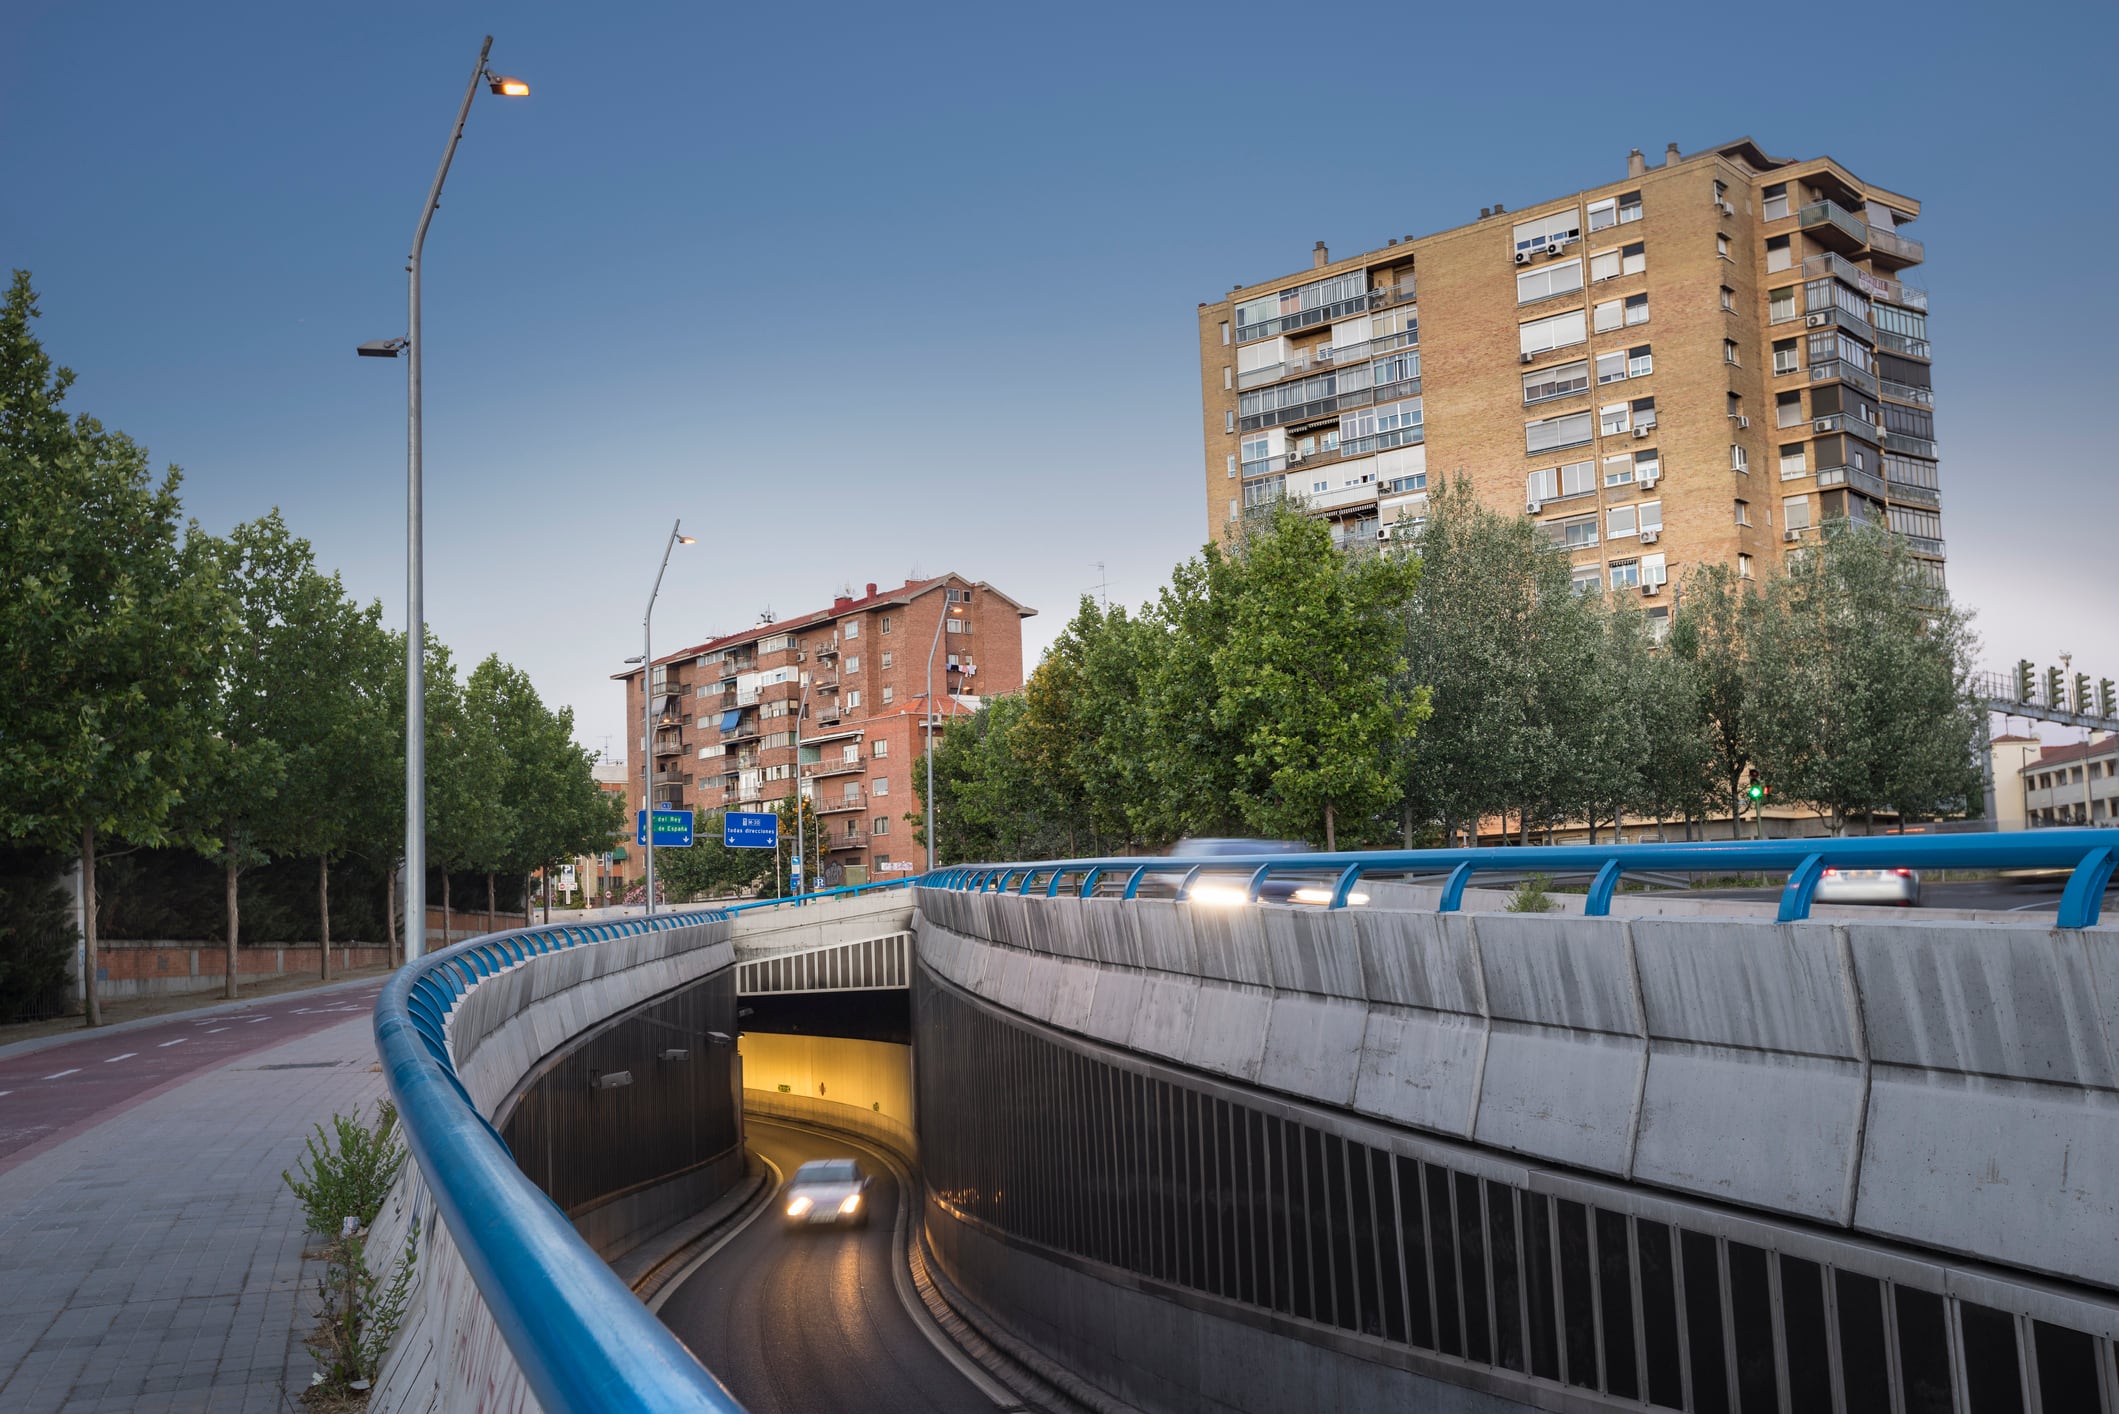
{"x":154,"y":969}
{"x":449,"y":1355}
{"x":762,"y":932}
{"x":1955,"y":1085}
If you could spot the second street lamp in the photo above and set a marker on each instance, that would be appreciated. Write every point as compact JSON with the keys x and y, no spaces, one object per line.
{"x":647,"y":710}
{"x":415,"y":548}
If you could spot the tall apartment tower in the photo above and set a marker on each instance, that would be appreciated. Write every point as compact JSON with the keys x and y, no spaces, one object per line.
{"x":1695,"y":364}
{"x":832,"y":703}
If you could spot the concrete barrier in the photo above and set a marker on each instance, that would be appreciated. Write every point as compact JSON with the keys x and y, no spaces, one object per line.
{"x":1950,"y":1084}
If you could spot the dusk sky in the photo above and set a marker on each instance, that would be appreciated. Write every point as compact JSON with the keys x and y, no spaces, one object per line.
{"x":866,"y":292}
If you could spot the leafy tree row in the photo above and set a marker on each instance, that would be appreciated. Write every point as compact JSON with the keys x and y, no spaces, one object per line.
{"x":1455,"y":678}
{"x":167,"y":687}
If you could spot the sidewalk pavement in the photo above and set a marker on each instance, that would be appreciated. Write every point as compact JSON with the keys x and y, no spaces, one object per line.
{"x":155,"y":1262}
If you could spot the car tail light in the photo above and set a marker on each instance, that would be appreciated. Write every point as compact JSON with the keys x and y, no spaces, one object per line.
{"x":1832,"y":873}
{"x":1903,"y":873}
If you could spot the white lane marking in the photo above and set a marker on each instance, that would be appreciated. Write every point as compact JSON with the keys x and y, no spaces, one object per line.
{"x":6,"y":1092}
{"x":254,"y":1020}
{"x":64,"y":1073}
{"x":113,"y":1059}
{"x":217,"y":1031}
{"x":2027,"y":907}
{"x":684,"y":1273}
{"x":178,"y":1042}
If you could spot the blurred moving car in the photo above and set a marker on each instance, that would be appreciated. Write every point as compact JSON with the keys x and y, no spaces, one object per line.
{"x":827,"y":1191}
{"x":1899,"y":886}
{"x":1233,"y":887}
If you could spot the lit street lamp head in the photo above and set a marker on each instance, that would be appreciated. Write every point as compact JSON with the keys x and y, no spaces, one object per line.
{"x":686,"y":540}
{"x":507,"y":87}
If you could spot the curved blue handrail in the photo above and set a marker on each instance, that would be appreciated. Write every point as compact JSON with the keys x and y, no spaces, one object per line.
{"x":582,"y":1339}
{"x":2091,"y":854}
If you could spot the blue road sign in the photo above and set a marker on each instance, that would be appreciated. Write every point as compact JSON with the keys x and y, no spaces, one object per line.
{"x":673,"y":828}
{"x":741,"y":829}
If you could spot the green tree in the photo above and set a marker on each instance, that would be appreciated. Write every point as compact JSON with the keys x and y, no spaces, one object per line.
{"x":1676,"y":779}
{"x":995,"y":798}
{"x":1713,"y":632}
{"x":708,"y":869}
{"x":1307,"y":680}
{"x":111,"y":616}
{"x":469,"y":821}
{"x":554,"y":809}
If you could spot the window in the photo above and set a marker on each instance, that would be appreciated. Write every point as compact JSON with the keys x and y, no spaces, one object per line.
{"x":888,"y":692}
{"x":1225,"y":331}
{"x":1621,"y":260}
{"x":1743,"y":567}
{"x":1739,"y":459}
{"x":885,"y":626}
{"x":1829,"y":344}
{"x":882,"y":749}
{"x":1728,"y":299}
{"x":1547,"y":281}
{"x":1793,"y":461}
{"x":1721,"y":189}
{"x":1578,"y":478}
{"x":1569,"y":430}
{"x":1555,"y":228}
{"x":1608,"y":316}
{"x":1735,"y":405}
{"x":959,"y":625}
{"x":1587,"y":579}
{"x":1629,"y":207}
{"x":1618,"y":471}
{"x":1658,"y":625}
{"x":1318,"y":488}
{"x":1619,"y":522}
{"x":1780,"y":304}
{"x":1652,"y":571}
{"x":1776,"y":198}
{"x":1553,"y":332}
{"x":1721,"y":246}
{"x":1651,"y":515}
{"x":1636,"y":309}
{"x":1614,"y":211}
{"x":1795,"y":512}
{"x":1625,"y":574}
{"x":1542,"y":485}
{"x":1577,"y":533}
{"x":852,"y":629}
{"x":1778,"y":254}
{"x":1228,"y":420}
{"x":853,"y":698}
{"x":1232,"y":464}
{"x":881,"y":786}
{"x":1743,"y":513}
{"x":1644,"y":412}
{"x":1788,"y":410}
{"x":1785,"y":358}
{"x":1614,"y":418}
{"x":886,"y":660}
{"x":1557,"y":381}
{"x":1397,"y":368}
{"x":1730,"y":352}
{"x":1228,"y":376}
{"x":853,"y":664}
{"x":1629,"y":363}
{"x":880,"y":826}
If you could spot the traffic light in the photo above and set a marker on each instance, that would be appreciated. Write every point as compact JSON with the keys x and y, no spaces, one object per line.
{"x":2025,"y":679}
{"x":2054,"y":698}
{"x":2082,"y":694}
{"x":2104,"y":698}
{"x":1758,"y":792}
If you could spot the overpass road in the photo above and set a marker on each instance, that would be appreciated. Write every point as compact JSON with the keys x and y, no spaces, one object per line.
{"x":52,"y":1089}
{"x":799,"y":1321}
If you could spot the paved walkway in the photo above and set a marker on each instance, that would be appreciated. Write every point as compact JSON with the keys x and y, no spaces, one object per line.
{"x":152,"y":1259}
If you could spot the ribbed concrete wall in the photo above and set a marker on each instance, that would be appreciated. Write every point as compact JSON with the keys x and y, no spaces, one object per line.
{"x":449,"y":1355}
{"x":1950,"y":1084}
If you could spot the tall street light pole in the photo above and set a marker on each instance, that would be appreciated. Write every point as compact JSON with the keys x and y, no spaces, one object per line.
{"x":415,"y":549}
{"x":953,"y":611}
{"x":647,"y":707}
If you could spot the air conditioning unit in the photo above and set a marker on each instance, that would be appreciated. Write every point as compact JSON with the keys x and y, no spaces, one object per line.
{"x":1522,"y":257}
{"x":1649,"y":479}
{"x":1528,"y":358}
{"x":1649,"y":537}
{"x":1383,"y":532}
{"x":1533,"y":507}
{"x":1742,"y":421}
{"x":1652,"y":588}
{"x":1792,"y":534}
{"x":1724,"y":207}
{"x":1553,"y":249}
{"x":1640,"y":431}
{"x":1823,"y":424}
{"x":1816,"y":321}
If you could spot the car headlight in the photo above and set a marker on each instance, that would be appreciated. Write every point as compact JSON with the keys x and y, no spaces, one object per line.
{"x":799,"y":1206}
{"x":1308,"y":894}
{"x":853,"y":1201}
{"x":1222,"y":894}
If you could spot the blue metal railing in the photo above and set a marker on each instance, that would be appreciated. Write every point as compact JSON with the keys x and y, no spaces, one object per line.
{"x":2089,"y":854}
{"x":843,"y":891}
{"x":582,"y":1339}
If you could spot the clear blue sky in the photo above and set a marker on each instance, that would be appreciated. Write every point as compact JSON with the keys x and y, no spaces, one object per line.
{"x":867,"y":291}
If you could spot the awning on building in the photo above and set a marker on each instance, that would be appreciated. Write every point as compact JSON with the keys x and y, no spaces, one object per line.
{"x":729,"y":719}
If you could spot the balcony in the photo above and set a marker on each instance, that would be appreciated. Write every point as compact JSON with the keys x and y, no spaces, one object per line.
{"x":1876,"y":286}
{"x":826,"y":713}
{"x":1907,"y":393}
{"x":1927,"y":547}
{"x":835,"y":804}
{"x":814,"y":769}
{"x":1910,"y":445}
{"x":852,"y":839}
{"x":1911,"y":494}
{"x":1854,"y":478}
{"x":669,"y":798}
{"x":667,"y":745}
{"x":1360,"y":494}
{"x":824,"y":682}
{"x":1901,"y":344}
{"x":1382,"y":441}
{"x":1831,"y":224}
{"x":742,"y":731}
{"x":1841,"y":422}
{"x":1889,"y":246}
{"x":829,"y":648}
{"x":1845,"y":372}
{"x":1832,"y":316}
{"x":671,"y":778}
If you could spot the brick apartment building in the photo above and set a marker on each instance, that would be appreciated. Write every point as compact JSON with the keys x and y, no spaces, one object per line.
{"x":1696,"y":363}
{"x":831,"y":701}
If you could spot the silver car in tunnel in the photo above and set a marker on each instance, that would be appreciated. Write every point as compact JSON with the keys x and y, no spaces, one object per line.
{"x":827,"y":1192}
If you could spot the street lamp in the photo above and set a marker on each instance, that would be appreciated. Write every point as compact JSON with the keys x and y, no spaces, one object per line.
{"x":955,"y":611}
{"x":415,"y":554}
{"x":647,"y":708}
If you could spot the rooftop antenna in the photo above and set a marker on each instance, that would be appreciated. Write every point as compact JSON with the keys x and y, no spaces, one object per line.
{"x":767,"y":616}
{"x":1103,"y":587}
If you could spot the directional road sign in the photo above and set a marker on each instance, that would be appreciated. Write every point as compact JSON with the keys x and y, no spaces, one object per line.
{"x":741,"y":829}
{"x":673,"y":828}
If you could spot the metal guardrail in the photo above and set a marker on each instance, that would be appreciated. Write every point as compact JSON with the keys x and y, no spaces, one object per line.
{"x":2090,"y":854}
{"x":582,"y":1339}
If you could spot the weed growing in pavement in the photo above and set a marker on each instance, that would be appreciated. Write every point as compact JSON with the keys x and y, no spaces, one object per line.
{"x":1531,"y":896}
{"x":358,"y":1318}
{"x":348,"y":1173}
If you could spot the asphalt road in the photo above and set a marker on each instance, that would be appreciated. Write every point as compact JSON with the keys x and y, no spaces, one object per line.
{"x":801,"y":1321}
{"x":66,"y":1086}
